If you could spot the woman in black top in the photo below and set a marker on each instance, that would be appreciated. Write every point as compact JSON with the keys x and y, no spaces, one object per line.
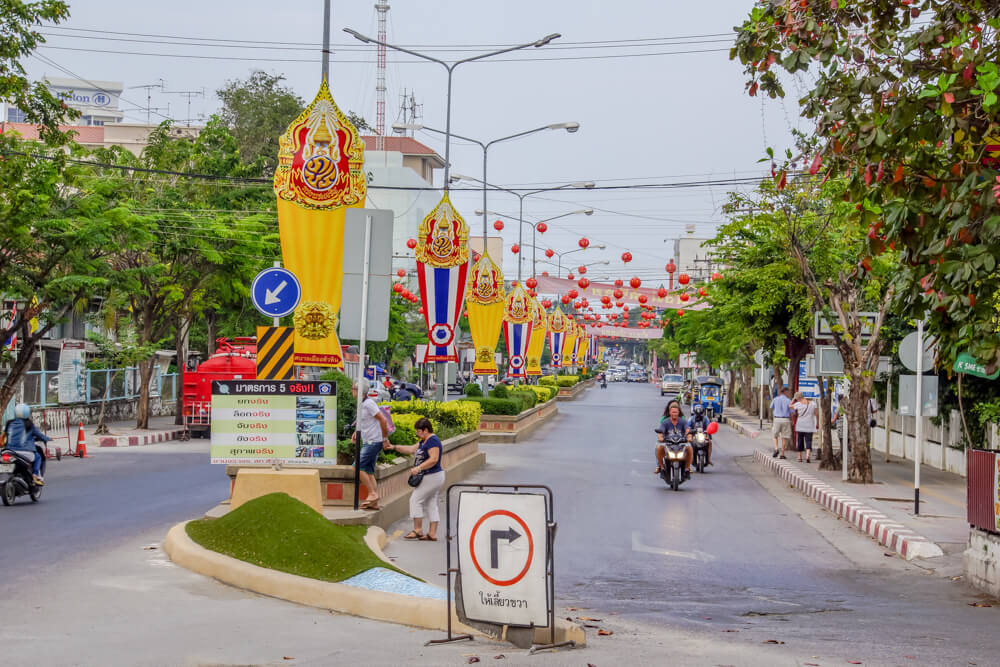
{"x":424,"y":499}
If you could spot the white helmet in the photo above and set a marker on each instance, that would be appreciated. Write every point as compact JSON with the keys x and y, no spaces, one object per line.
{"x":22,"y":411}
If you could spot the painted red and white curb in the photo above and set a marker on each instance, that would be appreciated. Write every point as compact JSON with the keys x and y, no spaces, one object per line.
{"x":884,"y":530}
{"x":742,"y":427}
{"x":139,"y":440}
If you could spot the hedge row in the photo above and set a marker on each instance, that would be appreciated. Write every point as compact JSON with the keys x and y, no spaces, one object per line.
{"x":462,"y":415}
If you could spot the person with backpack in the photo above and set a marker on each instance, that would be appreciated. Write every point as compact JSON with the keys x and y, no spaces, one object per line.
{"x":22,"y":434}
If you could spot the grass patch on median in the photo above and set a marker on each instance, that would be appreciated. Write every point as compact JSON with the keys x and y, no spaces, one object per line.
{"x":281,"y":533}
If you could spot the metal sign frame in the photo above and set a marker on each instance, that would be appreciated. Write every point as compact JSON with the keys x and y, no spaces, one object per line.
{"x":823,"y":330}
{"x":451,"y":543}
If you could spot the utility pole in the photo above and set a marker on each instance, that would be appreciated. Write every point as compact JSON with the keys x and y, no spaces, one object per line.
{"x":326,"y":40}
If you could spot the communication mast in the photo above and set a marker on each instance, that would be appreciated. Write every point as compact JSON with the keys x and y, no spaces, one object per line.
{"x":382,"y":8}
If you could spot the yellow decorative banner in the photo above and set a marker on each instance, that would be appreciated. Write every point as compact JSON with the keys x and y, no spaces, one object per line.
{"x":537,"y":343}
{"x":569,"y":343}
{"x":319,"y":176}
{"x":485,"y":305}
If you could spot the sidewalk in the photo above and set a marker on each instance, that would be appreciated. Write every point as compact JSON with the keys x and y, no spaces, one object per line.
{"x":122,"y":434}
{"x":883,"y":509}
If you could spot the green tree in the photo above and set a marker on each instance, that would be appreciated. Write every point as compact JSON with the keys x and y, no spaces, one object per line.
{"x":118,"y":352}
{"x":908,"y":110}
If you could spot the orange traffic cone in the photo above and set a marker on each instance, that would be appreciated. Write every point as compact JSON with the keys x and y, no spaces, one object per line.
{"x":81,"y":444}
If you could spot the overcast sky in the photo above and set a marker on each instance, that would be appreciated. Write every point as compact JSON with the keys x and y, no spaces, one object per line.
{"x":650,"y":119}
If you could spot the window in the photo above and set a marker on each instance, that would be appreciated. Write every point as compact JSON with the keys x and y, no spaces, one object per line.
{"x":15,"y":115}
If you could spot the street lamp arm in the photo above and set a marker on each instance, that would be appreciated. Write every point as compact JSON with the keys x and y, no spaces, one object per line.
{"x":457,"y":136}
{"x":371,"y":40}
{"x":515,"y":136}
{"x":541,"y":42}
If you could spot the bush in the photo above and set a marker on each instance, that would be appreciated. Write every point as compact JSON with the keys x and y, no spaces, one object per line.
{"x":567,"y":380}
{"x":346,"y":403}
{"x":547,"y":381}
{"x":404,"y":434}
{"x":527,"y":397}
{"x":543,"y":393}
{"x":462,"y":414}
{"x":495,"y":406}
{"x":473,"y":389}
{"x":500,"y":391}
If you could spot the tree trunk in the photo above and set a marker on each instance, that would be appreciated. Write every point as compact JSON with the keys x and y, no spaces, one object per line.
{"x":181,"y":337}
{"x":827,"y":459}
{"x":142,"y":410}
{"x":798,"y":348}
{"x":210,"y":332}
{"x":731,"y":398}
{"x":859,"y":467}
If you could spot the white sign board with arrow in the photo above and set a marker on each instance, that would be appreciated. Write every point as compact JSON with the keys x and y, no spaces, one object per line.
{"x":502,"y":553}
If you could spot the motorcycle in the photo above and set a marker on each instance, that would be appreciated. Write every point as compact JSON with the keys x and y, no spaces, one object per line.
{"x":672,"y":471}
{"x":16,"y":478}
{"x":700,"y":442}
{"x":604,"y":382}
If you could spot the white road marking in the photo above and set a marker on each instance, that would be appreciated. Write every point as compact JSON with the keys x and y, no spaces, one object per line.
{"x":638,"y":546}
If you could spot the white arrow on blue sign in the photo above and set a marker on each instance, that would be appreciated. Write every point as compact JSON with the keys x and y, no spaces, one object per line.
{"x":275,"y":292}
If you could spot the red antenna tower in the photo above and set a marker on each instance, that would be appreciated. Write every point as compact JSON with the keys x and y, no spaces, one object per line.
{"x":382,"y":7}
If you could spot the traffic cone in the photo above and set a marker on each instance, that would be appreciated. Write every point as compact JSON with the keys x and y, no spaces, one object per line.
{"x":81,"y":444}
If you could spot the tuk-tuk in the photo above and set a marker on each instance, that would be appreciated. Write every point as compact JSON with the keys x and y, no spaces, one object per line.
{"x":708,"y":390}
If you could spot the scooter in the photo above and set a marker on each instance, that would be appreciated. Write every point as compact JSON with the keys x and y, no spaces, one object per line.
{"x":700,"y":442}
{"x":16,"y":478}
{"x":604,"y":382}
{"x":672,"y":471}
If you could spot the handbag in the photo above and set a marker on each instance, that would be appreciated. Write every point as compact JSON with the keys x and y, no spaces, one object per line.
{"x":418,"y":458}
{"x":414,"y":480}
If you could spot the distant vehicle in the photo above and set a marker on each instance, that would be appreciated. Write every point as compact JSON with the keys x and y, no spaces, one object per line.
{"x":637,"y":375}
{"x":671,"y":385}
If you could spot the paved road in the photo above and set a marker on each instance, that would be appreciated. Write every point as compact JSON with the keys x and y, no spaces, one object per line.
{"x":733,"y":550}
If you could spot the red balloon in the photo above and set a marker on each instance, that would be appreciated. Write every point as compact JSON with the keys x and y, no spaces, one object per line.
{"x":584,"y":242}
{"x":498,"y":225}
{"x":716,"y":276}
{"x":635,"y":282}
{"x":619,"y":283}
{"x":684,"y":279}
{"x":541,"y":227}
{"x":531,"y":283}
{"x":618,"y":293}
{"x":662,"y":292}
{"x":583,"y":282}
{"x":643,"y":298}
{"x":573,"y":293}
{"x":398,"y":288}
{"x":411,"y":244}
{"x":670,"y":267}
{"x":581,"y":270}
{"x":626,"y":257}
{"x":550,"y":252}
{"x":515,"y":248}
{"x":712,"y":428}
{"x":684,"y":297}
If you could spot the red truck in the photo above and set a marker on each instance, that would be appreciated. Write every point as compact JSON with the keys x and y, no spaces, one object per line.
{"x":236,"y":360}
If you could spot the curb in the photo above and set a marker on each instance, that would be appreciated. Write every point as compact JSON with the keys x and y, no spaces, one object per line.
{"x":884,"y":530}
{"x":741,"y":427}
{"x":377,"y":605}
{"x":137,"y":440}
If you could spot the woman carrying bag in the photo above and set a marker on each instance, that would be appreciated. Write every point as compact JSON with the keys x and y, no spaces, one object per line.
{"x":427,"y":478}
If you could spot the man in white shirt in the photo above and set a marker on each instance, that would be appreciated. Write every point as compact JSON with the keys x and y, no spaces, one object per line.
{"x":373,"y":430}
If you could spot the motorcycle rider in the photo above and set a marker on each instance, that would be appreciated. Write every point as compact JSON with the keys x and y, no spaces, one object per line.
{"x":673,"y":422}
{"x":699,"y":418}
{"x":22,"y":435}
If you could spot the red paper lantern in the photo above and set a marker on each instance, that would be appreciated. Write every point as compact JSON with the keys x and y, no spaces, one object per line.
{"x":398,"y":288}
{"x":605,"y":299}
{"x":684,"y":297}
{"x":635,"y":282}
{"x":476,"y":257}
{"x":625,"y":308}
{"x":619,"y":303}
{"x":702,"y":292}
{"x":565,"y":299}
{"x":662,"y":292}
{"x":422,"y":310}
{"x":541,"y":227}
{"x":515,"y":248}
{"x":643,"y":298}
{"x":619,"y":283}
{"x":571,"y":277}
{"x":581,"y":270}
{"x":583,"y":283}
{"x":670,"y":267}
{"x":411,"y":244}
{"x":573,"y":293}
{"x":405,"y":294}
{"x":626,"y":257}
{"x":498,"y":225}
{"x":618,"y":293}
{"x":546,"y":303}
{"x":550,"y":252}
{"x":680,"y":312}
{"x":532,"y":293}
{"x":684,"y":279}
{"x":401,"y":273}
{"x":576,"y":304}
{"x":584,"y":242}
{"x":531,"y":283}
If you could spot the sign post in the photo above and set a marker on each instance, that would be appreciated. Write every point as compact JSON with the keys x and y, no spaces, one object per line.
{"x":916,"y":354}
{"x":504,"y":536}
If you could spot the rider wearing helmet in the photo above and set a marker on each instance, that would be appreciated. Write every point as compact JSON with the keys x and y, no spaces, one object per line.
{"x":673,"y":422}
{"x":21,"y":436}
{"x":699,"y":418}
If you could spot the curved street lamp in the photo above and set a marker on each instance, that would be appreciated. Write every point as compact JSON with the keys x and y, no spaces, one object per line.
{"x":584,"y":211}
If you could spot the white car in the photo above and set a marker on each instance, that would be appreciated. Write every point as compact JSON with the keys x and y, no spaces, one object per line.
{"x":671,"y":385}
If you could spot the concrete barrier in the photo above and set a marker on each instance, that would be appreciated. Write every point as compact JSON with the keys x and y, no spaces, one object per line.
{"x":303,"y":485}
{"x":508,"y":428}
{"x":390,"y":607}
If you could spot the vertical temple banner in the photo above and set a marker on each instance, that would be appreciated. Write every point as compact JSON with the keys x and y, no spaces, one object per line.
{"x":442,"y":267}
{"x":485,"y":305}
{"x":319,"y":176}
{"x":558,"y":324}
{"x":537,"y":343}
{"x":517,"y":330}
{"x":569,"y":344}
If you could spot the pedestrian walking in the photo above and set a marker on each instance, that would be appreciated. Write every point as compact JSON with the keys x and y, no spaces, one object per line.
{"x":805,"y":425}
{"x":426,"y":465}
{"x":373,"y":432}
{"x":781,"y":429}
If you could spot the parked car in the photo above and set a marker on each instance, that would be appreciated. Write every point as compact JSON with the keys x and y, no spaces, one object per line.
{"x":637,"y":376}
{"x":671,"y":385}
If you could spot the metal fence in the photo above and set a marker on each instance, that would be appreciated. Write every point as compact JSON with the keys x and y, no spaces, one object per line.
{"x":982,"y":489}
{"x":41,"y":388}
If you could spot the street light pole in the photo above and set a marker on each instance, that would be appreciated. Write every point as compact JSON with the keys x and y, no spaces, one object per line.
{"x":326,"y":40}
{"x":442,"y":392}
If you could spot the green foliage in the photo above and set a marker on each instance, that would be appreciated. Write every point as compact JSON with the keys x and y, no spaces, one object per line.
{"x":347,"y":408}
{"x":454,"y":414}
{"x":473,"y":389}
{"x":404,"y":434}
{"x":547,"y":381}
{"x":495,"y":406}
{"x":500,"y":391}
{"x":542,"y":393}
{"x":527,"y":397}
{"x":281,"y":533}
{"x":567,"y":380}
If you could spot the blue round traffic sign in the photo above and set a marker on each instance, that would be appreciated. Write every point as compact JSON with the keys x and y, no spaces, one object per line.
{"x":275,"y":292}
